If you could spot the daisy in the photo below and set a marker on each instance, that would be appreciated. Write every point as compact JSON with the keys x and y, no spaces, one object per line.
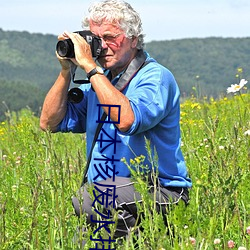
{"x":237,"y":87}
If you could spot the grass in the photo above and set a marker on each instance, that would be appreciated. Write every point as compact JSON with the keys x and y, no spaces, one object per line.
{"x":40,"y":172}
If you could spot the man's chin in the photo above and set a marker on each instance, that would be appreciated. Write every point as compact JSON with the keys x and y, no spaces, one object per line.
{"x":105,"y":63}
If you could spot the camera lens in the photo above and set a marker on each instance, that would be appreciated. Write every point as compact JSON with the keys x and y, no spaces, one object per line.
{"x":75,"y":95}
{"x":65,"y":48}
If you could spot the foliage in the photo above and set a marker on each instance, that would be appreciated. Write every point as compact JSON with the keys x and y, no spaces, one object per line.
{"x":208,"y":62}
{"x":28,"y":68}
{"x":14,"y":95}
{"x":41,"y":171}
{"x":28,"y":58}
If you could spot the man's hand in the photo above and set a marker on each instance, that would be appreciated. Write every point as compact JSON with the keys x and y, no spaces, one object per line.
{"x":66,"y":63}
{"x":83,"y":54}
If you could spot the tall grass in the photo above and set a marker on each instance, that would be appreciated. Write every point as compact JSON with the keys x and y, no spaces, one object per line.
{"x":40,"y":172}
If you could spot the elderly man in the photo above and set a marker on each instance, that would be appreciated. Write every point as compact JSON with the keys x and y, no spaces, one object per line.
{"x":140,"y":98}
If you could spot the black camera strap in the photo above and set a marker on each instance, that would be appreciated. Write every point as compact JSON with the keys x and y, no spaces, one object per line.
{"x":136,"y":64}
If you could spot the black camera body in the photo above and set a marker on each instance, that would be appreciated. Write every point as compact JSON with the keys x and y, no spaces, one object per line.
{"x":65,"y":48}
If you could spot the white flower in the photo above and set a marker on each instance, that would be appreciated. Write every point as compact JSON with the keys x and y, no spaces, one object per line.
{"x":246,"y":133}
{"x":237,"y":87}
{"x":242,"y":248}
{"x":22,"y":210}
{"x":217,"y":241}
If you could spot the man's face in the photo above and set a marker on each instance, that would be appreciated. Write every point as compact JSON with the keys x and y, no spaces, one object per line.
{"x":118,"y":50}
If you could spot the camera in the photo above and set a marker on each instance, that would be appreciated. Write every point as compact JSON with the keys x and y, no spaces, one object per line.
{"x":65,"y":48}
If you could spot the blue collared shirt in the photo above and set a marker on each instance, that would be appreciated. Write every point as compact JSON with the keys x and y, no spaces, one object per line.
{"x":154,"y":97}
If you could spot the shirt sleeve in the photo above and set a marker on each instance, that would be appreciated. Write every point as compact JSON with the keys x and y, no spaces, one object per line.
{"x":152,"y":98}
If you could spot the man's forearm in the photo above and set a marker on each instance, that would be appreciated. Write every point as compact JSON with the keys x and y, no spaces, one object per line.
{"x":55,"y":103}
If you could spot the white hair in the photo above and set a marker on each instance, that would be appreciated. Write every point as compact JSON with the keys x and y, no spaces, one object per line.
{"x":120,"y":13}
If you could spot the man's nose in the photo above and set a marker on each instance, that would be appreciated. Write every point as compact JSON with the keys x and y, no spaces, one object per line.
{"x":104,"y":44}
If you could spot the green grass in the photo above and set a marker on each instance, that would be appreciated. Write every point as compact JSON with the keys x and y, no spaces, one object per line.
{"x":40,"y":172}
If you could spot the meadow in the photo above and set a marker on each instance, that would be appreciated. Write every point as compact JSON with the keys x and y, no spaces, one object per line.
{"x":40,"y":172}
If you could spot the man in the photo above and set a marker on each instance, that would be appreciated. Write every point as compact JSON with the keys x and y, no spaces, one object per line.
{"x":141,"y":100}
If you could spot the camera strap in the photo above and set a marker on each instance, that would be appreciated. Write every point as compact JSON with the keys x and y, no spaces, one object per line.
{"x":136,"y":64}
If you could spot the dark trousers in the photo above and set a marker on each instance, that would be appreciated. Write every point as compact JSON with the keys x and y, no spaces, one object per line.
{"x":120,"y":195}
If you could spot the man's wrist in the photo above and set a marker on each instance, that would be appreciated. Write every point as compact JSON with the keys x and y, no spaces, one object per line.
{"x":65,"y":73}
{"x":96,"y":70}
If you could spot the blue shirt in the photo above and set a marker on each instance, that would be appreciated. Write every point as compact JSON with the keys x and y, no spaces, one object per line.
{"x":154,"y":97}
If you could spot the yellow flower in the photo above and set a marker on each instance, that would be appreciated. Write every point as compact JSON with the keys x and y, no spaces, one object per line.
{"x":240,"y":70}
{"x":132,"y":162}
{"x":195,"y":105}
{"x":137,"y":159}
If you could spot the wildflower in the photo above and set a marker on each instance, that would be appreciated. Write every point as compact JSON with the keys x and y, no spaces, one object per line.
{"x":137,"y":159}
{"x":247,"y":133}
{"x":14,"y":188}
{"x":221,"y":147}
{"x":237,"y":87}
{"x":242,"y":248}
{"x":123,"y":159}
{"x":230,"y":244}
{"x":132,"y":162}
{"x":240,"y":70}
{"x":45,"y":216}
{"x":192,"y":240}
{"x":198,"y":182}
{"x":216,"y":241}
{"x":248,"y":230}
{"x":195,"y":106}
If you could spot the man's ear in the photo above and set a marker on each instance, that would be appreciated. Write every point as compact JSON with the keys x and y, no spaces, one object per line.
{"x":134,"y":42}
